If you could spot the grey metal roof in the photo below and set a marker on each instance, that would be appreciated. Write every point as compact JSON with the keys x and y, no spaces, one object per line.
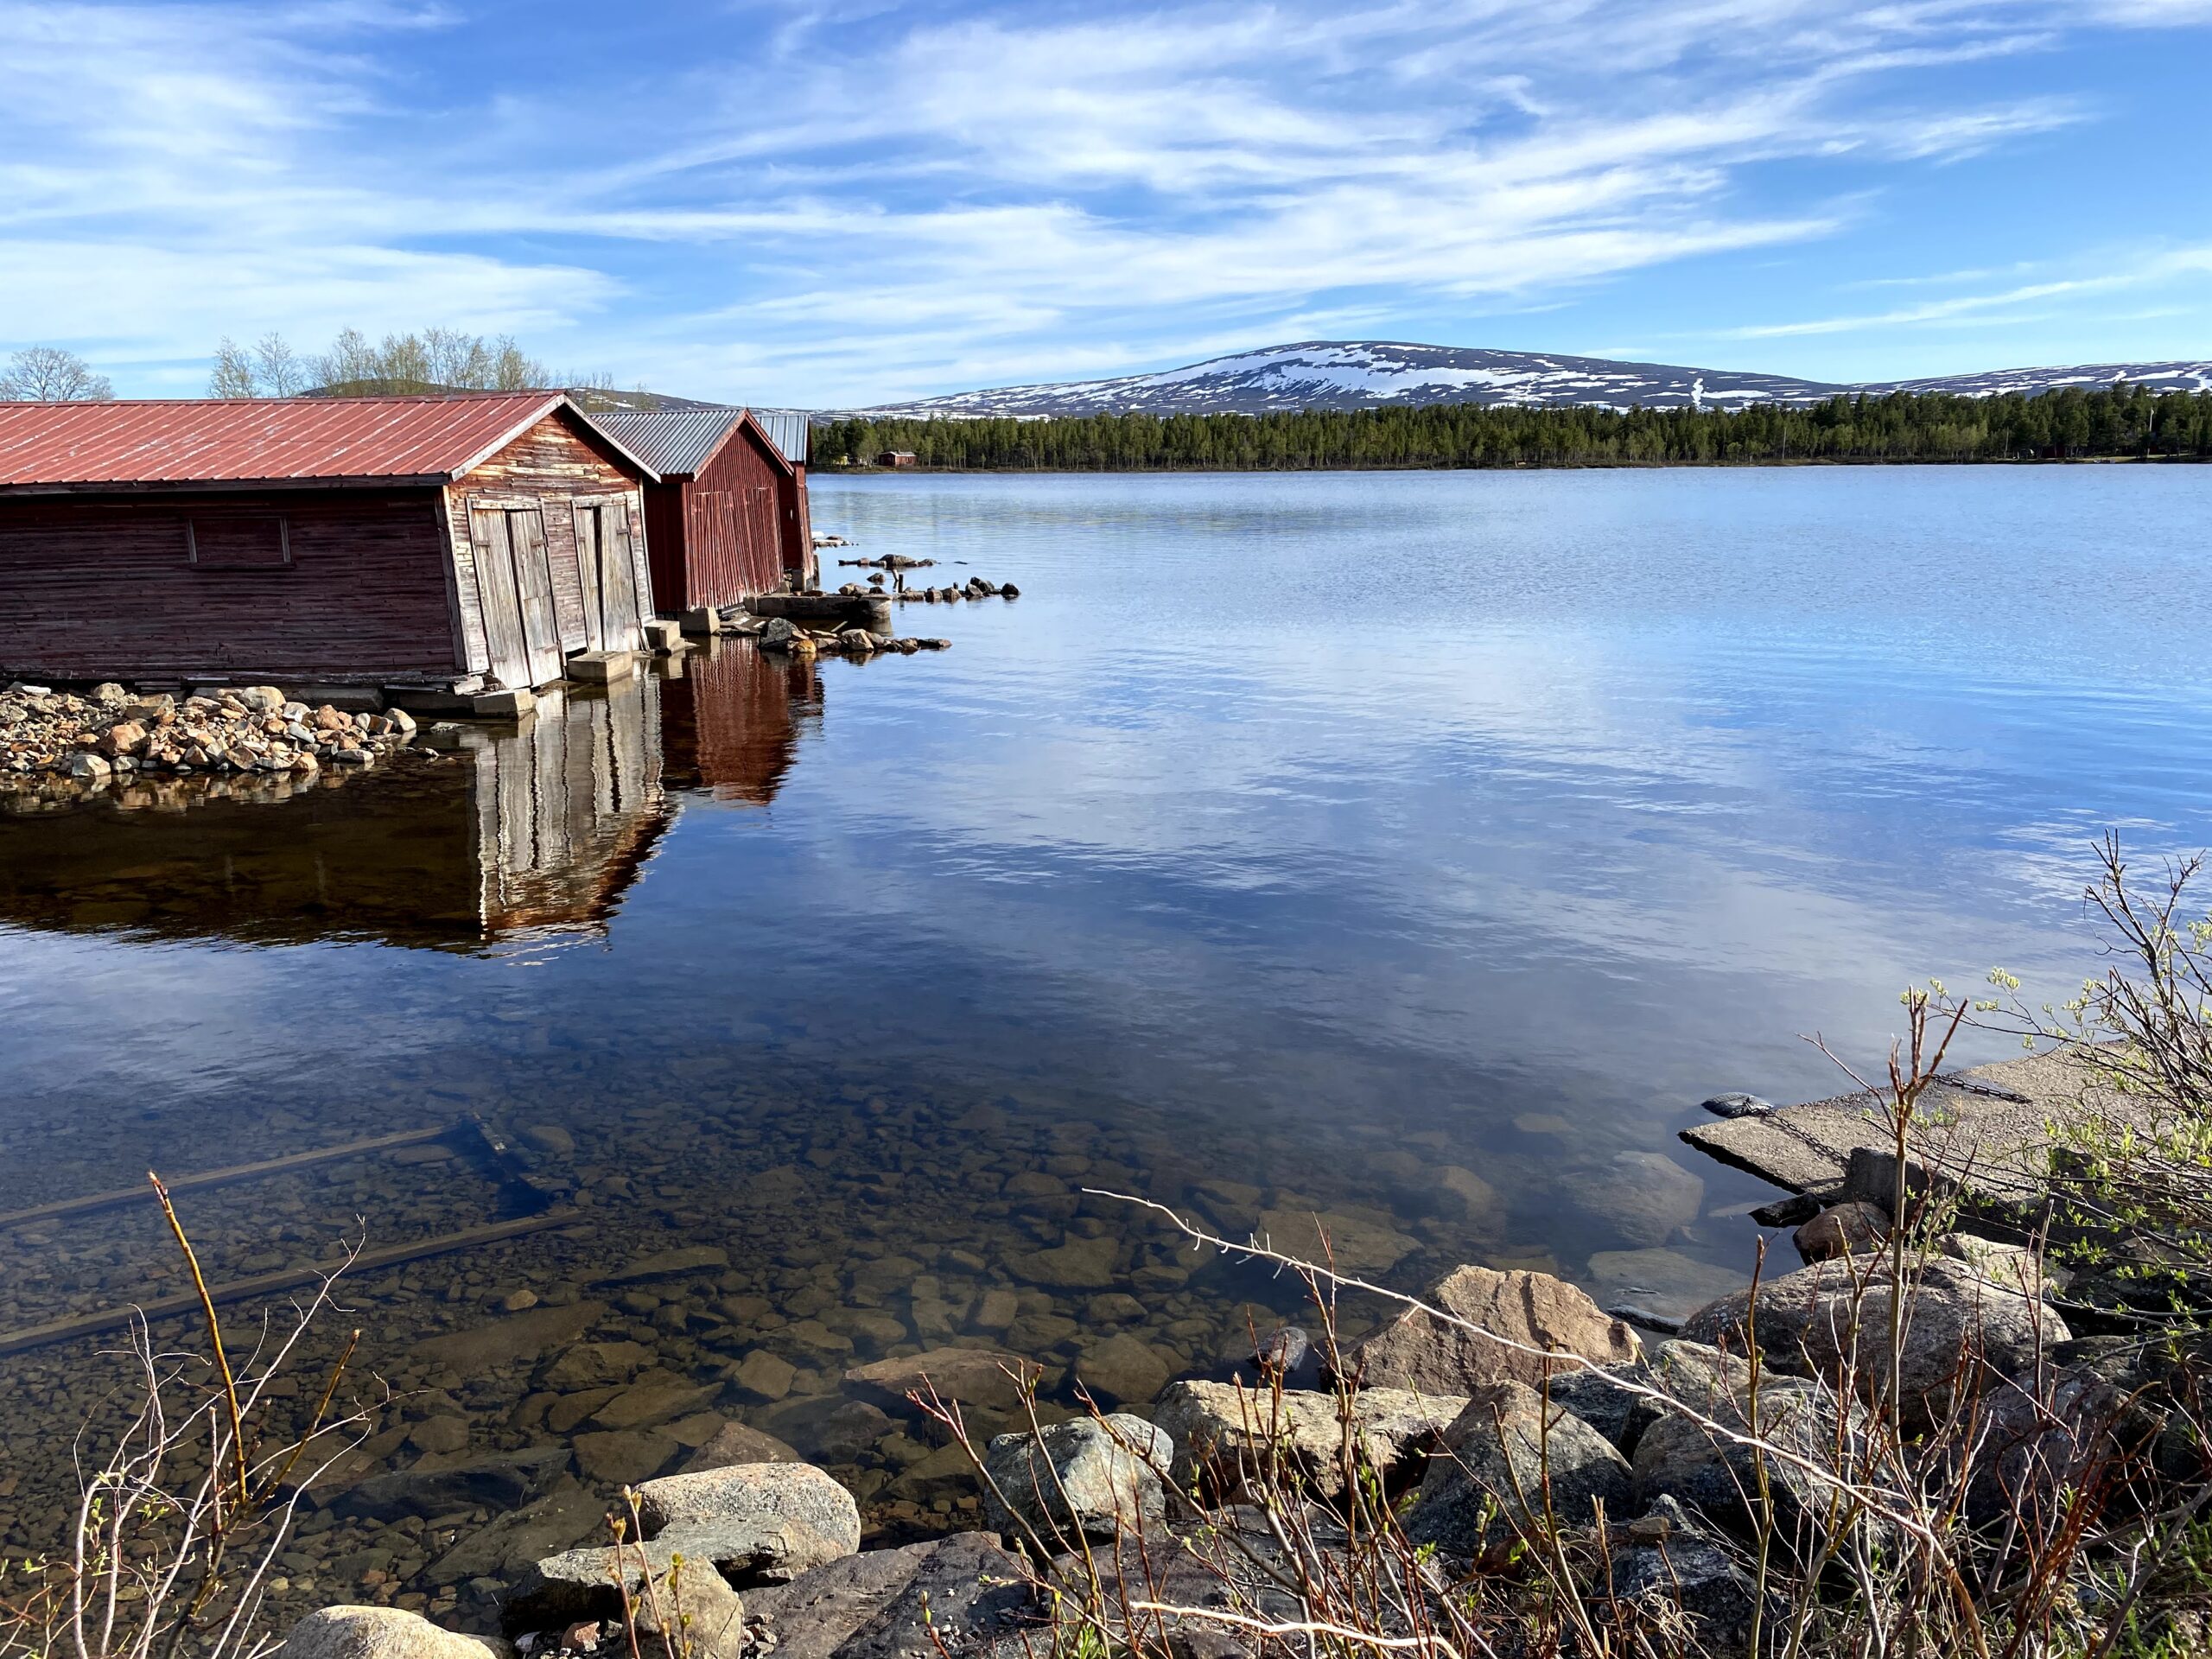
{"x":679,"y":440}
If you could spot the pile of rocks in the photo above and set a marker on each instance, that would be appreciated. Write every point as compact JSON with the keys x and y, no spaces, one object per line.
{"x":109,"y":732}
{"x":976,"y":588}
{"x":780,"y":634}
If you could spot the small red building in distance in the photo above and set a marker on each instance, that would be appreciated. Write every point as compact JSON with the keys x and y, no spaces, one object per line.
{"x":727,"y":517}
{"x":367,"y":540}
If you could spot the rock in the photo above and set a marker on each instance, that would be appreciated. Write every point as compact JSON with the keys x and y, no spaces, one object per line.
{"x":596,"y":1366}
{"x":1079,"y":1264}
{"x":693,"y":1604}
{"x":827,"y":1429}
{"x":509,"y":1541}
{"x":1720,"y":1478}
{"x":1223,"y":1432}
{"x":440,"y":1434}
{"x":261,"y":699}
{"x":88,"y":768}
{"x":1532,"y":1309}
{"x":504,"y":1482}
{"x":1643,"y":1196}
{"x":769,"y":1521}
{"x":2057,"y":1430}
{"x":1662,"y":1283}
{"x":1673,"y":1570}
{"x":964,"y":1592}
{"x":1460,"y":1195}
{"x":1506,"y":1458}
{"x":778,"y":634}
{"x":1598,"y":1397}
{"x":524,"y":1336}
{"x":652,"y":1400}
{"x":1852,"y":1229}
{"x":1964,"y":1331}
{"x":624,"y":1456}
{"x":700,"y":1258}
{"x":1358,"y":1242}
{"x":763,"y":1378}
{"x":975,"y":1376}
{"x":383,"y":1633}
{"x":108,"y":692}
{"x":1697,"y":1374}
{"x":737,"y":1443}
{"x":552,"y":1138}
{"x":1095,"y":1479}
{"x":1123,"y":1370}
{"x":1737,"y":1105}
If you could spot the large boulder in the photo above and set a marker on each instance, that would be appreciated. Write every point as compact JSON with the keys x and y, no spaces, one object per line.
{"x":953,"y":1595}
{"x":737,"y":1443}
{"x":511,"y":1540}
{"x":505,"y":1481}
{"x":1228,"y":1437}
{"x":1964,"y":1328}
{"x":1080,"y":1477}
{"x":1513,"y":1462}
{"x":757,"y":1521}
{"x":1527,"y":1309}
{"x":1643,"y":1196}
{"x":381,"y":1633}
{"x":694,"y":1611}
{"x":1811,"y":1439}
{"x":1673,"y":1571}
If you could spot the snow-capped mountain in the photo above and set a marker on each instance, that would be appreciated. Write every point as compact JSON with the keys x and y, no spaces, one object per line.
{"x":1367,"y":374}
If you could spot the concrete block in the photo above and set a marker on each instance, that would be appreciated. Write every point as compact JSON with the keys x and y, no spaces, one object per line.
{"x":601,"y":667}
{"x":503,"y":705}
{"x":703,"y":619}
{"x":664,"y":635}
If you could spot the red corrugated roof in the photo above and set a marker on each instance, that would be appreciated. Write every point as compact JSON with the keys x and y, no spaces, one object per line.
{"x":228,"y":441}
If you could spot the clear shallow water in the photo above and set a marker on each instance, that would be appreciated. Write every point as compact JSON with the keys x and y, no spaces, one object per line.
{"x":1298,"y":834}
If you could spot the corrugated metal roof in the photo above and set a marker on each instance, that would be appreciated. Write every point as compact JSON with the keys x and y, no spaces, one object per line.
{"x":669,"y":440}
{"x":679,"y":441}
{"x":249,"y":440}
{"x":788,"y":429}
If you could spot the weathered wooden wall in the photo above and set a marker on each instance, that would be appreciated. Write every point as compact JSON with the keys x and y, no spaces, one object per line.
{"x":554,"y":461}
{"x":95,"y":588}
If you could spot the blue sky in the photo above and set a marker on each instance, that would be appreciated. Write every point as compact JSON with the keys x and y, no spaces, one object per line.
{"x":830,"y":204}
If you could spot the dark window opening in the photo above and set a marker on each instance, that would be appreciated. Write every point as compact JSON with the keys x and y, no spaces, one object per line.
{"x":240,"y":544}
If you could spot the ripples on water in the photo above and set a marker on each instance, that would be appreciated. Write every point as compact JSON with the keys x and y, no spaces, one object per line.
{"x":1290,"y":840}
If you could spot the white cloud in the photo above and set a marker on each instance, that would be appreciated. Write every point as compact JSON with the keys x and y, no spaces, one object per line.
{"x":863,"y":200}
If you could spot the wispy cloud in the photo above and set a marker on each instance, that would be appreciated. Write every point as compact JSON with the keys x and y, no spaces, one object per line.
{"x":847,"y":201}
{"x":2136,"y":272}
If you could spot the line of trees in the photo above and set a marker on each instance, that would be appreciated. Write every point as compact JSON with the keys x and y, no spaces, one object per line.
{"x":46,"y":374}
{"x":436,"y":359}
{"x":2071,"y":424}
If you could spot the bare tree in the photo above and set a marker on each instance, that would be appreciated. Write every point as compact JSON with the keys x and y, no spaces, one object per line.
{"x":46,"y":374}
{"x":404,"y":363}
{"x":233,"y":375}
{"x":277,"y":368}
{"x":457,"y":358}
{"x":350,"y":361}
{"x":512,"y":370}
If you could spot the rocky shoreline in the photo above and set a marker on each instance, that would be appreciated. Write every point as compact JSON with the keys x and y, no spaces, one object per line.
{"x":110,"y":733}
{"x":1532,"y":1385}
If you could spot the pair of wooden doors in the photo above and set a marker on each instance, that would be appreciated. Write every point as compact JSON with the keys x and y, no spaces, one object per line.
{"x":514,"y":585}
{"x":607,"y":568}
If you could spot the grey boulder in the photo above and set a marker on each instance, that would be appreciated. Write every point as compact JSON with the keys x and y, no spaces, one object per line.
{"x":1514,"y":1463}
{"x":1081,"y":1476}
{"x":763,"y":1522}
{"x":381,"y":1633}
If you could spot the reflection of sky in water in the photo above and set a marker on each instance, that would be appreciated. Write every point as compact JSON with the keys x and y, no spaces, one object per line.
{"x":1427,"y":799}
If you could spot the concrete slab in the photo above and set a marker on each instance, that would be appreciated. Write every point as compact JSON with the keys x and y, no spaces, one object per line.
{"x":601,"y":667}
{"x":664,"y":635}
{"x":703,"y":620}
{"x":1987,"y":1129}
{"x":503,"y":705}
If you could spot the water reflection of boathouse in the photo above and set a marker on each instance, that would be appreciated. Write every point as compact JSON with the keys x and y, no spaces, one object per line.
{"x":524,"y":833}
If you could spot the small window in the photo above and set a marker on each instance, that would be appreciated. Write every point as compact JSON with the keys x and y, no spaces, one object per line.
{"x":239,"y":543}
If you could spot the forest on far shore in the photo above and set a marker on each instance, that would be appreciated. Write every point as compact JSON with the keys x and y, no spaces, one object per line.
{"x":2124,"y":422}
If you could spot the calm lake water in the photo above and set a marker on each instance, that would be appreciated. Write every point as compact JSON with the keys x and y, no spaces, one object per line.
{"x":1414,"y":849}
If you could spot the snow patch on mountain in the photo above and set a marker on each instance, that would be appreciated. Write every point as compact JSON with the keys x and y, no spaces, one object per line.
{"x":1370,"y":374}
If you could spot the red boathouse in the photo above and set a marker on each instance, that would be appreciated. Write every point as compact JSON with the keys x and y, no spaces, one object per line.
{"x":727,"y":517}
{"x":378,"y":540}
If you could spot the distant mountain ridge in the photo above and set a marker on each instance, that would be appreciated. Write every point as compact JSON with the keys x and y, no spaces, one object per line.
{"x":1370,"y":374}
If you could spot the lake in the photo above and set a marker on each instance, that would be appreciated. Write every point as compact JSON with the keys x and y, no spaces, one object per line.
{"x":1413,"y":850}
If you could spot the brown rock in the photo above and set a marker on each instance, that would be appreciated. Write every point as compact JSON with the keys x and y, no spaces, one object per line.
{"x":1852,"y":1228}
{"x":1533,"y":1310}
{"x":524,"y":1336}
{"x":975,"y":1376}
{"x":653,"y":1398}
{"x":624,"y":1456}
{"x":736,"y":1443}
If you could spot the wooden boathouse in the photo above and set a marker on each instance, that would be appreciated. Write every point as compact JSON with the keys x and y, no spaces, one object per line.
{"x":472,"y":540}
{"x":727,"y":517}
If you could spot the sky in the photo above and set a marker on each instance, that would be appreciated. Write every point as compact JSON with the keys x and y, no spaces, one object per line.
{"x":829,"y":205}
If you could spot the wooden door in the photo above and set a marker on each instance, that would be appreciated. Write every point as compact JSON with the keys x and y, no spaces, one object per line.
{"x":514,"y":581}
{"x":587,"y":521}
{"x":608,"y":554}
